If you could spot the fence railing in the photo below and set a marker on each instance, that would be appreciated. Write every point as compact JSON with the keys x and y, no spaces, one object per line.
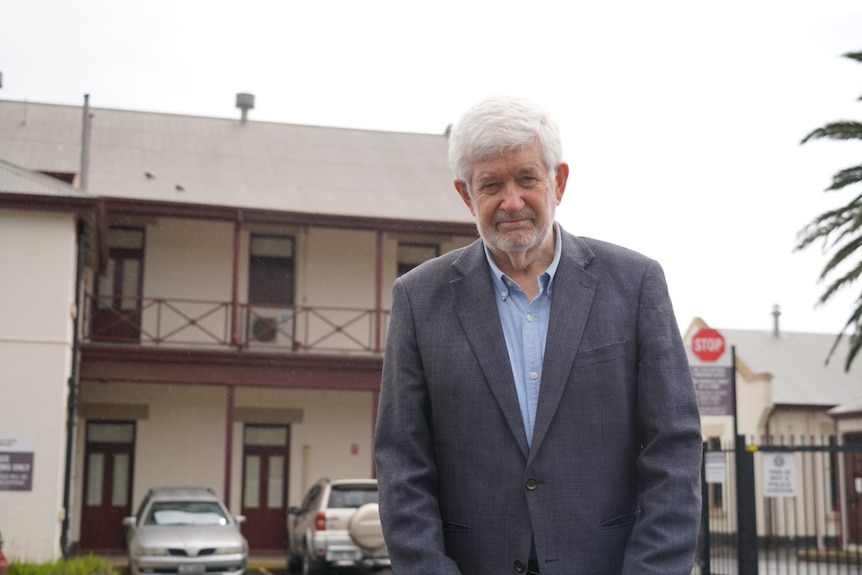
{"x":782,"y":505}
{"x":178,"y":322}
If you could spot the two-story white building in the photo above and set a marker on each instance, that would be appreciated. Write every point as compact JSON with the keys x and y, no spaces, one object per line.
{"x":196,"y":301}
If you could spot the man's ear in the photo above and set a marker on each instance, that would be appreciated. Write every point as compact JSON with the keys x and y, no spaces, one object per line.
{"x":461,"y":186}
{"x":561,"y":176}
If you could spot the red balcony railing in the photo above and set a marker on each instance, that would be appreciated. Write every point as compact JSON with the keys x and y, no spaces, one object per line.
{"x":178,"y":322}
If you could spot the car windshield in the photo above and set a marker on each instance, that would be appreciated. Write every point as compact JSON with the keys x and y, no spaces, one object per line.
{"x":352,"y":496}
{"x":186,"y":513}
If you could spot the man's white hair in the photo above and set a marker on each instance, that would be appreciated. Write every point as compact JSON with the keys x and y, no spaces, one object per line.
{"x":500,"y":124}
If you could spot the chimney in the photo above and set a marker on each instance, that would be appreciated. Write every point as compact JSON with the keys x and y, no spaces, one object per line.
{"x":245,"y":102}
{"x":776,"y":313}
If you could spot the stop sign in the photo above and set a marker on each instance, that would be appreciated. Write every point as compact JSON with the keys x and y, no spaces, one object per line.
{"x":707,"y":344}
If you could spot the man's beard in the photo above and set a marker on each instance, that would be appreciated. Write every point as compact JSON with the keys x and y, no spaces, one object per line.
{"x":515,"y":241}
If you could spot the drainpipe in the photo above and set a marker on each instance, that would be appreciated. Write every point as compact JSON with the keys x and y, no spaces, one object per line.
{"x":85,"y":145}
{"x":234,"y":304}
{"x":72,"y":399}
{"x":72,"y":383}
{"x":378,"y":293}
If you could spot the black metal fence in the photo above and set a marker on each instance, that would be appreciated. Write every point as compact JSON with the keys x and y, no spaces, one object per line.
{"x":782,"y":505}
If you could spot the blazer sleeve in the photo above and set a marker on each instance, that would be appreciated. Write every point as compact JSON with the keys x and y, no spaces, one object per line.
{"x":404,"y":452}
{"x":664,"y":538}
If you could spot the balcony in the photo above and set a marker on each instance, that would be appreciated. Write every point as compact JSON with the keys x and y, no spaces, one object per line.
{"x":175,"y":323}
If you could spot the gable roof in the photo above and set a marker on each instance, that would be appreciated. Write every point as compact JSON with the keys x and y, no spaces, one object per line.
{"x":796,"y":363}
{"x":17,"y":180}
{"x":849,"y":409}
{"x":226,"y":162}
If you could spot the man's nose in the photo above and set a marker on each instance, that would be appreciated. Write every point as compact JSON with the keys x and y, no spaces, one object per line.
{"x":512,"y":200}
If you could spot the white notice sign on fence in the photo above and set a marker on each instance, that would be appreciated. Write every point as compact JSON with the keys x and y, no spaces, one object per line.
{"x":779,"y":475}
{"x":715,"y":467}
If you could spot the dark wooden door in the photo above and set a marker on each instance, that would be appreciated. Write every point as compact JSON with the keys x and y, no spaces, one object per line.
{"x":117,"y":309}
{"x":264,"y":504}
{"x":108,"y":465}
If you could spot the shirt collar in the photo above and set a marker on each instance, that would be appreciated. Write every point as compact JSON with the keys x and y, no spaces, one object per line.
{"x":546,"y":280}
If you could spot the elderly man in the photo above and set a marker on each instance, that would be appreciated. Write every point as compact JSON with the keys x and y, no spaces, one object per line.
{"x":537,"y":412}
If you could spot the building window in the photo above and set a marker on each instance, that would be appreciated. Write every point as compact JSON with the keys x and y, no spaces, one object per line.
{"x":119,"y":290}
{"x":271,"y":273}
{"x":271,"y":270}
{"x":411,"y":255}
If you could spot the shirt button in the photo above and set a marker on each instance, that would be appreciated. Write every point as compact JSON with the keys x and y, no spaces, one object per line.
{"x":520,"y":567}
{"x":531,"y":484}
{"x":529,"y":317}
{"x":534,"y":376}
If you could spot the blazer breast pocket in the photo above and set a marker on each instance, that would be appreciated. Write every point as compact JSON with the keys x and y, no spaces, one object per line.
{"x":597,"y":355}
{"x":453,"y":527}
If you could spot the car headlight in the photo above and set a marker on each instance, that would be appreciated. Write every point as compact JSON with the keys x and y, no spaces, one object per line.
{"x":151,"y":552}
{"x":228,"y":550}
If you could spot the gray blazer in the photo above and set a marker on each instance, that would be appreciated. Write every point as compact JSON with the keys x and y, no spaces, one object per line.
{"x":611,"y":483}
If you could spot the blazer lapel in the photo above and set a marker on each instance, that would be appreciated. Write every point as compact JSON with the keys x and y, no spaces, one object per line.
{"x":574,"y":290}
{"x":477,"y":312}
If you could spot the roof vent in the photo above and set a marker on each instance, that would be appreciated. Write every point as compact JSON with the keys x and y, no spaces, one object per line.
{"x":245,"y":102}
{"x":776,"y":313}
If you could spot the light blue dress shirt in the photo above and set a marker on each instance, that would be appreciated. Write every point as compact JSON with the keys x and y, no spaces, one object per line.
{"x":525,"y":326}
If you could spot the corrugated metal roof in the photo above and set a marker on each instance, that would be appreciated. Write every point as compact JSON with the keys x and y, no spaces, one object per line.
{"x":16,"y":180}
{"x":797,"y":362}
{"x":224,"y":162}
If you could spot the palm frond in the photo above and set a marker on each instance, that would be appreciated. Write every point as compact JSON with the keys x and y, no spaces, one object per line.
{"x":853,"y":351}
{"x":829,"y":223}
{"x":845,"y":178}
{"x":855,"y":337}
{"x":853,"y":56}
{"x":855,"y":322}
{"x":845,"y":280}
{"x":840,"y":130}
{"x":841,"y":254}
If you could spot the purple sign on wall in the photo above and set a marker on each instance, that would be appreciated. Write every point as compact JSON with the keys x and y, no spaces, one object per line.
{"x":16,"y":462}
{"x":714,"y":385}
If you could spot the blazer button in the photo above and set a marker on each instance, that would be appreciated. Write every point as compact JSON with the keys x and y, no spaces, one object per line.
{"x":520,"y":567}
{"x":532,"y":484}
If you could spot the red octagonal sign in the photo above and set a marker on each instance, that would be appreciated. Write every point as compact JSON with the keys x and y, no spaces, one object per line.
{"x":707,"y":344}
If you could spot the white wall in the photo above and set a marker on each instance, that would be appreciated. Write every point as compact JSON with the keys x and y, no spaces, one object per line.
{"x":193,"y":260}
{"x":182,"y":441}
{"x":37,"y":267}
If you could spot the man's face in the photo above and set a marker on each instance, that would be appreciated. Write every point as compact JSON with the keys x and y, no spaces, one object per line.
{"x":513,"y":198}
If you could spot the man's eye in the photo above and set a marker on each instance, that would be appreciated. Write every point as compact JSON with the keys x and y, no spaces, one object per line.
{"x":490,"y":187}
{"x":528,"y":181}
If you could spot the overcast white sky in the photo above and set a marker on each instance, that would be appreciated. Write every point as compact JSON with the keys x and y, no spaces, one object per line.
{"x":681,"y":120}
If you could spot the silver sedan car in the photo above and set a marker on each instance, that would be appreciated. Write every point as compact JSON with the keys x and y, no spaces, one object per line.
{"x":185,"y":531}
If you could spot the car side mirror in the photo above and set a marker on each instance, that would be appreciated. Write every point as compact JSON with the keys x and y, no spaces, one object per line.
{"x":294,"y":510}
{"x":129,"y":522}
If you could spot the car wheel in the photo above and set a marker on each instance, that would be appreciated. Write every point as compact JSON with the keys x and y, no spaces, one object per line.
{"x":364,"y":527}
